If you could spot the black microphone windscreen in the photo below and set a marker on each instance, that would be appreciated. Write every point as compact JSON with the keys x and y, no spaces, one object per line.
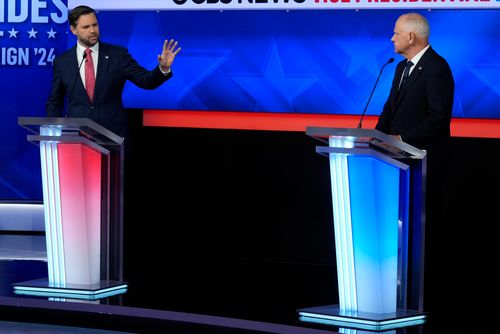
{"x":390,"y":60}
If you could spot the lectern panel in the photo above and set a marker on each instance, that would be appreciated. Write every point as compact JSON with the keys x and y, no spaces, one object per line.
{"x":82,"y":178}
{"x":377,"y":191}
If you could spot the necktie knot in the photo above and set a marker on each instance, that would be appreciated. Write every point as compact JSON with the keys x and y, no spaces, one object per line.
{"x":406,"y":73}
{"x":408,"y":66}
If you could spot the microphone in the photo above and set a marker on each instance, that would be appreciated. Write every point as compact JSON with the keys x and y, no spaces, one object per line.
{"x":74,"y":82}
{"x":390,"y":60}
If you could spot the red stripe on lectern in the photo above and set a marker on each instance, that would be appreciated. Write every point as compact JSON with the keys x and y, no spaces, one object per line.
{"x":460,"y":127}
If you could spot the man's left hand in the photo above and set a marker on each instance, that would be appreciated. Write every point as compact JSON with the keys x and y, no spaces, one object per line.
{"x":170,"y":50}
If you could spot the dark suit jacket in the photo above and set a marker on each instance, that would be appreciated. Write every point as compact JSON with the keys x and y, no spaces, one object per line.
{"x":421,"y":112}
{"x":115,"y":67}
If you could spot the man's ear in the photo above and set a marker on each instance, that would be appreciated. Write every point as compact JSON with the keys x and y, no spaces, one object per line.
{"x":73,"y":30}
{"x":411,"y":38}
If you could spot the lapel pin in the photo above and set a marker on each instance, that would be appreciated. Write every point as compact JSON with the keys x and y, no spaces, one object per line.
{"x":107,"y":57}
{"x":420,"y":68}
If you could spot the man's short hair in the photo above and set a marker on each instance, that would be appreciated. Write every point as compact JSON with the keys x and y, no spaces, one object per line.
{"x":78,"y":11}
{"x":416,"y":23}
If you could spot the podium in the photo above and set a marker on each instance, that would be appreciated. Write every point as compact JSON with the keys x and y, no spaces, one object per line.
{"x":82,"y":179}
{"x":378,"y":200}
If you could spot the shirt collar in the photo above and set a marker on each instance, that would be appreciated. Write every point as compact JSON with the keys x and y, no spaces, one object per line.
{"x":419,"y":55}
{"x":80,"y":49}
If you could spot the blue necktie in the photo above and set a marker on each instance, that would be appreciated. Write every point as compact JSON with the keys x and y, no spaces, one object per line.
{"x":406,"y":73}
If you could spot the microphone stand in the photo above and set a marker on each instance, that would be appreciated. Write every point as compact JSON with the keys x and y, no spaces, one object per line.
{"x":373,"y":90}
{"x":74,"y":82}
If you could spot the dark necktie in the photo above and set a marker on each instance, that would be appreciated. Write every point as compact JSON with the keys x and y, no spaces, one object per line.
{"x":89,"y":74}
{"x":406,"y":73}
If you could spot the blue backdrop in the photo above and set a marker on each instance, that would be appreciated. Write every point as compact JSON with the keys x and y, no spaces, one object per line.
{"x":29,"y":39}
{"x":302,"y":61}
{"x":264,"y":61}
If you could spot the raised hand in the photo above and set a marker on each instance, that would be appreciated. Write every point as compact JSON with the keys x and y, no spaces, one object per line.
{"x":170,"y":50}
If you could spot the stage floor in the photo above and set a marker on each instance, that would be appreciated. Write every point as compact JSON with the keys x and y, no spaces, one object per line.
{"x":209,"y":296}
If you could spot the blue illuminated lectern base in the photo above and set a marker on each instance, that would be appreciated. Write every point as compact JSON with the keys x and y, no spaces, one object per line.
{"x":332,"y":315}
{"x":41,"y":287}
{"x":378,"y":202}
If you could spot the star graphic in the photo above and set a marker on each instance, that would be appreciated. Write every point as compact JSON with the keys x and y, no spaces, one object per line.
{"x":32,"y":33}
{"x":13,"y":33}
{"x":488,"y":74}
{"x":481,"y":84}
{"x":52,"y":33}
{"x":364,"y":60}
{"x":273,"y":90}
{"x":192,"y":68}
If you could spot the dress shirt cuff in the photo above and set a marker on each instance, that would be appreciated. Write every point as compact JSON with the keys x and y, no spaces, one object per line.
{"x":163,"y":71}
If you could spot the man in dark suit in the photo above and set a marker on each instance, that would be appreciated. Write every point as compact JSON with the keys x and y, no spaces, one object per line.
{"x":91,"y":76}
{"x":418,"y":112}
{"x":97,"y":94}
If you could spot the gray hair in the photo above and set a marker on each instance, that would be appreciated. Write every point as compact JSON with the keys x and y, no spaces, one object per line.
{"x":416,"y":23}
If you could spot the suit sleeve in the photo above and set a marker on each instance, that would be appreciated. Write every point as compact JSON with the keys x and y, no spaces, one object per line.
{"x":440,"y":91}
{"x":140,"y":76}
{"x":55,"y":103}
{"x":384,"y":120}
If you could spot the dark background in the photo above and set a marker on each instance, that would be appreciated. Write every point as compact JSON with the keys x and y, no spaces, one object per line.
{"x":239,"y":223}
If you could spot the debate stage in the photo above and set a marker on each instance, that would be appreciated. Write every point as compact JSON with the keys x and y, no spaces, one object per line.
{"x":233,"y":234}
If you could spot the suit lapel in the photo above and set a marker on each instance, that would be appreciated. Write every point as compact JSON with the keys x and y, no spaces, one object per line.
{"x":74,"y":64}
{"x":395,"y":85}
{"x":415,"y":74}
{"x":397,"y":78}
{"x":102,"y":68}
